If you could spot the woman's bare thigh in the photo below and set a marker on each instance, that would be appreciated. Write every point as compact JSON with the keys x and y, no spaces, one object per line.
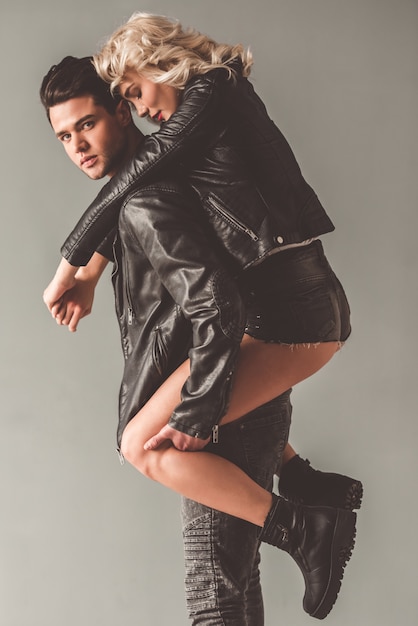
{"x":263,"y":372}
{"x":266,"y":370}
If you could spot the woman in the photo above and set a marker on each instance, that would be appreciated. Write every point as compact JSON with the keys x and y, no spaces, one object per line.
{"x":263,"y":220}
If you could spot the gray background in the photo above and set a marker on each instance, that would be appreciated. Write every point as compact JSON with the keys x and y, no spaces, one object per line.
{"x":86,"y":542}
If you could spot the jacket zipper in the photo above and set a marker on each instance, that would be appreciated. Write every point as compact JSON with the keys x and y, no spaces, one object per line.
{"x":232,"y":218}
{"x":215,"y":434}
{"x":131,"y":313}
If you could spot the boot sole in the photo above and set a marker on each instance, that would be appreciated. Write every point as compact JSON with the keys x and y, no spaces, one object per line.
{"x":342,"y":548}
{"x":354,"y":496}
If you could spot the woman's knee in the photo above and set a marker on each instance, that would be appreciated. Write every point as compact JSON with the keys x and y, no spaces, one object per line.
{"x":148,"y":462}
{"x":132,"y":448}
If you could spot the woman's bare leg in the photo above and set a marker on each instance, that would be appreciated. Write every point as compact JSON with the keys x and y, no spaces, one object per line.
{"x":264,"y":371}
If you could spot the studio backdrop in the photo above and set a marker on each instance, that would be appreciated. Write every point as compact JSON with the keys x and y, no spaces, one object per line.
{"x":85,"y":541}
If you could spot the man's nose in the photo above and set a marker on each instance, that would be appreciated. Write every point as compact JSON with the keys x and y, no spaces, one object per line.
{"x":80,"y":143}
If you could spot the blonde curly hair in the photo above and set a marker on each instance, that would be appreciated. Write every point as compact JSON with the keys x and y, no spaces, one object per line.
{"x":160,"y":49}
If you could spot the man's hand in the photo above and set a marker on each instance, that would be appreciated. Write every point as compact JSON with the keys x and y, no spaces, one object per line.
{"x":69,"y":296}
{"x":181,"y":441}
{"x":63,"y":280}
{"x":75,"y":304}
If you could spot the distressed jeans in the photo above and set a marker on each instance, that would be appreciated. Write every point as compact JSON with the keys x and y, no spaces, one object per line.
{"x":222,"y":579}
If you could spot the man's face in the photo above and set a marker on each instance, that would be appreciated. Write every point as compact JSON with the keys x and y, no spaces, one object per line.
{"x":95,"y":140}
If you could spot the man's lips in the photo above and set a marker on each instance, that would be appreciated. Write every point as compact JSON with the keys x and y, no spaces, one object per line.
{"x":158,"y":117}
{"x":88,"y":161}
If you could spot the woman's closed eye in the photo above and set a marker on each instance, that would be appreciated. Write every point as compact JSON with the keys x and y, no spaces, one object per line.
{"x":133,"y":94}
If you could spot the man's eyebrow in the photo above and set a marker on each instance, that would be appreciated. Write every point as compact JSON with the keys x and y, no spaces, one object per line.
{"x":79,"y":122}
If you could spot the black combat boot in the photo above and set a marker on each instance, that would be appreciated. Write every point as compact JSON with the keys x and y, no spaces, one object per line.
{"x":302,"y":484}
{"x":320,"y":540}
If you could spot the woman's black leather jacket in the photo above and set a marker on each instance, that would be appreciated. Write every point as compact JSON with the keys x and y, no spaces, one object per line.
{"x":226,"y":120}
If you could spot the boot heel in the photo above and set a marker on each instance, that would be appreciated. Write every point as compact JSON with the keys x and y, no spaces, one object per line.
{"x":300,"y":483}
{"x":354,"y":496}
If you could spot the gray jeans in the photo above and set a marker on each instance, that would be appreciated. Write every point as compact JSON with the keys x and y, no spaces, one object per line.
{"x":222,"y":552}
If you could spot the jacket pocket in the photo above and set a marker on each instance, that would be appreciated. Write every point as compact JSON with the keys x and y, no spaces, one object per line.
{"x":159,"y":351}
{"x":226,"y":214}
{"x":171,"y":341}
{"x":129,"y":305}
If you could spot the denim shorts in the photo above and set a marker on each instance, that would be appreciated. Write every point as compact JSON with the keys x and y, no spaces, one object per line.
{"x":294,"y":297}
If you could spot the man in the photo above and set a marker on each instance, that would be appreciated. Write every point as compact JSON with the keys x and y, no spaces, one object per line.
{"x":221,"y":552}
{"x":98,"y":135}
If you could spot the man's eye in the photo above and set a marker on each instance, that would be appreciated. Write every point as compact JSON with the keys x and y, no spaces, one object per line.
{"x":88,"y":125}
{"x":65,"y":137}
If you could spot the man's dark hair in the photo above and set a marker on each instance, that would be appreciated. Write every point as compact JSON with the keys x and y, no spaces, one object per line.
{"x":73,"y":78}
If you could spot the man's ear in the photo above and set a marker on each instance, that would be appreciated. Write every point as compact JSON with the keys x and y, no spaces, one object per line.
{"x":124,"y":113}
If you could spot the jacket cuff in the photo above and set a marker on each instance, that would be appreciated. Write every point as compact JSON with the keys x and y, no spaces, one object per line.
{"x":200,"y":432}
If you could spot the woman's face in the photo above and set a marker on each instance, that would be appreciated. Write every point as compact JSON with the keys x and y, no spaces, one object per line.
{"x":158,"y":101}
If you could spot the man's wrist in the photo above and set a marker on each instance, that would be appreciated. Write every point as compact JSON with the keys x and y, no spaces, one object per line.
{"x":65,"y":274}
{"x":93,"y":270}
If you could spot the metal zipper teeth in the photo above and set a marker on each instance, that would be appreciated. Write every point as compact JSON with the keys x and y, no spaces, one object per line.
{"x":234,"y":220}
{"x":131,"y":313}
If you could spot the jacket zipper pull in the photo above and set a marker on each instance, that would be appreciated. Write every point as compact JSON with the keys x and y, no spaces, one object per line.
{"x":215,"y":434}
{"x":130,"y":316}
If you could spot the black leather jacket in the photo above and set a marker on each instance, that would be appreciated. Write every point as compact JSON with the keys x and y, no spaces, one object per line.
{"x":255,"y":200}
{"x":174,"y":299}
{"x":227,"y":121}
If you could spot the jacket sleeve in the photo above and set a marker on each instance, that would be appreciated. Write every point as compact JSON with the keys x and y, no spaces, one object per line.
{"x":194,"y":126}
{"x":105,"y":248}
{"x":166,"y":227}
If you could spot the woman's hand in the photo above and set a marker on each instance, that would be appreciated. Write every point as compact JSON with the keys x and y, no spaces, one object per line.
{"x":181,"y":441}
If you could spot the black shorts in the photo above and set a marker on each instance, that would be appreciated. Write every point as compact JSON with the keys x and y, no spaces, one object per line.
{"x":294,"y":297}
